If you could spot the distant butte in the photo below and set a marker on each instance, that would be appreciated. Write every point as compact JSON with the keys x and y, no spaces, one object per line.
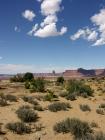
{"x":79,"y":73}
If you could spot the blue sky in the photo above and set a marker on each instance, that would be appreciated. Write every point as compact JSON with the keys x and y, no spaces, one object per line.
{"x":46,"y":35}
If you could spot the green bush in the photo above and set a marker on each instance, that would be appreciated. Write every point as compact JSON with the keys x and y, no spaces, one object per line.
{"x":85,"y":108}
{"x":87,"y":90}
{"x":79,"y":88}
{"x":60,"y":80}
{"x":26,"y":114}
{"x":37,"y":85}
{"x":58,"y":106}
{"x":27,"y":85}
{"x":28,"y":76}
{"x":18,"y":127}
{"x":50,"y":96}
{"x":77,"y":127}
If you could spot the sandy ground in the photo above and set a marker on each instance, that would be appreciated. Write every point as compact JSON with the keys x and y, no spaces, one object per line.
{"x":46,"y":118}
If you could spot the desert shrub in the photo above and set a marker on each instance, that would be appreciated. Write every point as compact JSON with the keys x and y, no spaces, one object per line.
{"x":73,"y":86}
{"x":38,"y":108}
{"x":60,"y":80}
{"x":18,"y":127}
{"x":102,"y":105}
{"x":71,"y":97}
{"x":86,"y":89}
{"x":79,"y":88}
{"x":11,"y":98}
{"x":87,"y":137}
{"x":100,"y":111}
{"x":26,"y":114}
{"x":27,"y":85}
{"x":28,"y":76}
{"x":3,"y":102}
{"x":17,"y":78}
{"x":38,"y":127}
{"x":30,"y":100}
{"x":8,"y":97}
{"x":77,"y":127}
{"x":50,"y":96}
{"x":13,"y":79}
{"x":93,"y":124}
{"x":58,"y":106}
{"x":37,"y":85}
{"x":85,"y":108}
{"x":99,"y":136}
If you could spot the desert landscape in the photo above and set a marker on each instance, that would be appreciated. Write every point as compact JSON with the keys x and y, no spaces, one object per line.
{"x":55,"y":103}
{"x":52,"y":69}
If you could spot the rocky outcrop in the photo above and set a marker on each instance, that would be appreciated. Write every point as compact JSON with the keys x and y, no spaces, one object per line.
{"x":84,"y":73}
{"x":79,"y":73}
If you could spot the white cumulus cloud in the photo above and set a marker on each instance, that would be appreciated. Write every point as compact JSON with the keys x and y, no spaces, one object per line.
{"x":87,"y":34}
{"x":99,"y":21}
{"x":50,"y":7}
{"x":92,"y":36}
{"x":50,"y":30}
{"x":78,"y":34}
{"x":96,"y":33}
{"x":29,"y":15}
{"x":49,"y":19}
{"x":48,"y":27}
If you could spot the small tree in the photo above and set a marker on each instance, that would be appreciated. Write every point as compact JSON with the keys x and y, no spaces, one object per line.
{"x":38,"y":85}
{"x":28,"y":76}
{"x":60,"y":80}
